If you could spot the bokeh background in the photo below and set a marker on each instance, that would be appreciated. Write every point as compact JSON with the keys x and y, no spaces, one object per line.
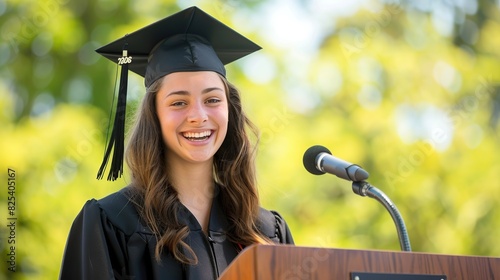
{"x":407,"y":89}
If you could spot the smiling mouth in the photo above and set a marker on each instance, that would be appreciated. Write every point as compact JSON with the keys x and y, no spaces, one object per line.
{"x":197,"y":136}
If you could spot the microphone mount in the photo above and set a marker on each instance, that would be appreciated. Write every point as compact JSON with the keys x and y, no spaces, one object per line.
{"x":318,"y":160}
{"x":363,"y":188}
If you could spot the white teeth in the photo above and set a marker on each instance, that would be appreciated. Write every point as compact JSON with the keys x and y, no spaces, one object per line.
{"x":197,"y":135}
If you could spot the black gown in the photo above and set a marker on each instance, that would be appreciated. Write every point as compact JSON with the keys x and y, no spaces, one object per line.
{"x":108,"y":241}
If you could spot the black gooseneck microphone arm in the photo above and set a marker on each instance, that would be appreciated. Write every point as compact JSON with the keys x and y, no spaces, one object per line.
{"x":318,"y":160}
{"x":363,"y":188}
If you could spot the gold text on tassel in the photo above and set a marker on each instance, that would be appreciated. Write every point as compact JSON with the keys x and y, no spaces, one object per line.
{"x":125,"y":59}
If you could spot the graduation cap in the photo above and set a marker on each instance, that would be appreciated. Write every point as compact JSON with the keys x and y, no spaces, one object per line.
{"x":190,"y":40}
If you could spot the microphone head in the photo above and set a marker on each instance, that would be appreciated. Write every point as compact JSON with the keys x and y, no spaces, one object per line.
{"x":310,"y":156}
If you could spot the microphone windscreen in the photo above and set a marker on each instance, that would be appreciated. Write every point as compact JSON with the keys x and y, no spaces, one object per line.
{"x":310,"y":156}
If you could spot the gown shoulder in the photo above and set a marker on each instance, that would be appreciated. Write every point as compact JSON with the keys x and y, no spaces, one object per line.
{"x":100,"y":238}
{"x":274,"y":226}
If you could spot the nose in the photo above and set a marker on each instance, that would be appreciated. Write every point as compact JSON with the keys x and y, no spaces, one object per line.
{"x":197,"y":113}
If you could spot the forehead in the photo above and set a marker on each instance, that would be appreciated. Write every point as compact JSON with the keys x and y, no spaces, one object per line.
{"x":193,"y":80}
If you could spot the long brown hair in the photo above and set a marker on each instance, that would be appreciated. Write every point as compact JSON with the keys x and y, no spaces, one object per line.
{"x":234,"y":172}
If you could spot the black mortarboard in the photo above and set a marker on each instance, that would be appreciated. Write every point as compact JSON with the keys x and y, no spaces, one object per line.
{"x":190,"y":40}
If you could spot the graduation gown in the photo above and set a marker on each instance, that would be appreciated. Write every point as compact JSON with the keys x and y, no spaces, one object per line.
{"x":108,"y":240}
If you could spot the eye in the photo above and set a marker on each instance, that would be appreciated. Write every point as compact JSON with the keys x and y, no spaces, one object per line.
{"x":178,"y":103}
{"x":213,"y":100}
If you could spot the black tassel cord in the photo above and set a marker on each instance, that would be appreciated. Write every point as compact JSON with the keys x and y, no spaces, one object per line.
{"x":118,"y":133}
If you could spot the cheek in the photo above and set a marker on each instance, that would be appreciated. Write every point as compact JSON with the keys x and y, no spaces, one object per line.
{"x":223,"y":117}
{"x":168,"y":122}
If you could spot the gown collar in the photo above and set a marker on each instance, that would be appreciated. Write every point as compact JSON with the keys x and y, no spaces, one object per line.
{"x":217,"y":223}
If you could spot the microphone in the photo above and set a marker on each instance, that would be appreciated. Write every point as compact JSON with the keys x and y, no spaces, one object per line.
{"x":318,"y":160}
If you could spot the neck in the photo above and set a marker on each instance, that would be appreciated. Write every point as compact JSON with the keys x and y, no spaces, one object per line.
{"x":194,"y":183}
{"x":192,"y":178}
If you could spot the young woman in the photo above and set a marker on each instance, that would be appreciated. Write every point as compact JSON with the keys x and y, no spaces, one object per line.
{"x":192,"y":204}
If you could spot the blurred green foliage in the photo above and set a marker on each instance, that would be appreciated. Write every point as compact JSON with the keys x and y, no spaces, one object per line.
{"x":389,"y":87}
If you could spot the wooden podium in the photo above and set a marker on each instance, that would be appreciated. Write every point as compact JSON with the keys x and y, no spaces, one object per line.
{"x":293,"y":262}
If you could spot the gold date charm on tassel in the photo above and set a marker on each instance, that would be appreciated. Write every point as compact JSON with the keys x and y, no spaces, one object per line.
{"x":125,"y":59}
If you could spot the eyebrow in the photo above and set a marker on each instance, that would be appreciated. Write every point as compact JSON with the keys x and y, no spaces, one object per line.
{"x":185,"y":92}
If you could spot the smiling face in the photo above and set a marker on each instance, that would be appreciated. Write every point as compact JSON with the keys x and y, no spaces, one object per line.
{"x":192,"y":109}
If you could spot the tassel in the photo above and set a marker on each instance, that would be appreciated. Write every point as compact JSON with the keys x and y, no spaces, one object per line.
{"x":118,"y":132}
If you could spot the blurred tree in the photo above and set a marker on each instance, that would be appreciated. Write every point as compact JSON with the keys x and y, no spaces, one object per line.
{"x":391,"y":92}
